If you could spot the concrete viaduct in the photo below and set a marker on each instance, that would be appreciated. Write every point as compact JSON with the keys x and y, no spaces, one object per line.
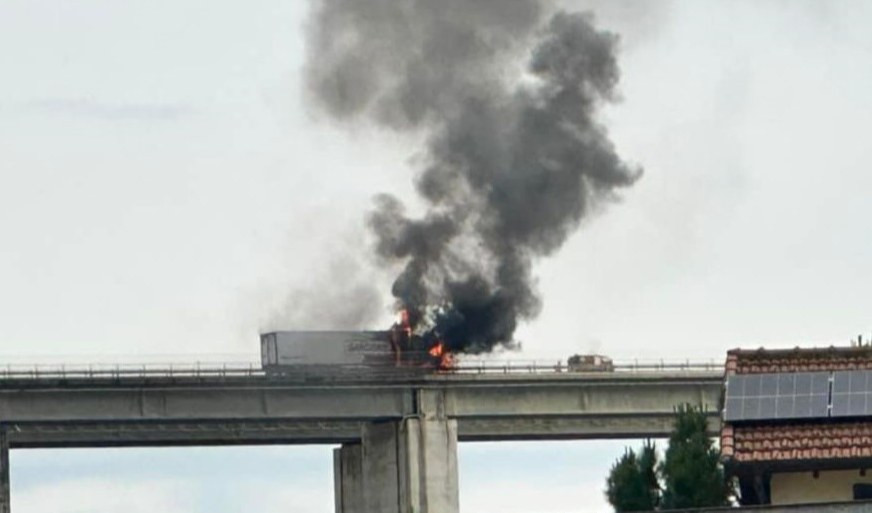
{"x":398,"y":439}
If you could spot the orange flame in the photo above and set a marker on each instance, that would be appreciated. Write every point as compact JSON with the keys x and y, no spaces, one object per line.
{"x":446,"y":359}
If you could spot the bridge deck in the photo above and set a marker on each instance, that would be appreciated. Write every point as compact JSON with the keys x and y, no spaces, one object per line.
{"x":47,"y":410}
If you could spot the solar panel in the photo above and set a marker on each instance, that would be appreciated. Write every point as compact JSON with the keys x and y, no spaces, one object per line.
{"x":767,"y":407}
{"x":820,"y":405}
{"x":735,"y":394}
{"x":752,"y":385}
{"x":768,"y":385}
{"x":820,"y":383}
{"x":803,"y":383}
{"x":784,"y":407}
{"x":751,"y":408}
{"x":841,"y":382}
{"x":858,"y":381}
{"x":852,"y":393}
{"x":802,"y":406}
{"x":733,"y":408}
{"x":779,"y":396}
{"x":857,"y":404}
{"x":786,"y":384}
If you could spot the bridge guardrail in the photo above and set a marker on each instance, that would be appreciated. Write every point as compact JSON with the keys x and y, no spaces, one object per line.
{"x":252,"y":369}
{"x":118,"y":371}
{"x":540,"y":366}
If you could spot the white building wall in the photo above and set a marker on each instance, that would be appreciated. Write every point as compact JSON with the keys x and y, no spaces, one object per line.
{"x":803,"y":487}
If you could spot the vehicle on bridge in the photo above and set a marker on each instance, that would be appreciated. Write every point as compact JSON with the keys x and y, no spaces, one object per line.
{"x":590,"y":363}
{"x":334,"y":353}
{"x":371,"y":353}
{"x":326,"y":353}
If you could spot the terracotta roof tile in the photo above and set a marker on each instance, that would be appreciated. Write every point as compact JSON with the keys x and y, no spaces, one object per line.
{"x":742,"y":361}
{"x":797,"y":442}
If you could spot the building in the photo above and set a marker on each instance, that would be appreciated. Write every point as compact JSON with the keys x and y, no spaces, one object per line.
{"x":798,"y":424}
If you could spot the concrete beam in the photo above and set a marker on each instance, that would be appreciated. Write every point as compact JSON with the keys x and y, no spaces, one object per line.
{"x":218,"y":402}
{"x":189,"y":433}
{"x":494,"y":429}
{"x":577,"y":398}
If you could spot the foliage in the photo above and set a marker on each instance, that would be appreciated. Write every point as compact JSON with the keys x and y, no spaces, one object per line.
{"x":692,"y":475}
{"x":648,"y":466}
{"x":632,"y":483}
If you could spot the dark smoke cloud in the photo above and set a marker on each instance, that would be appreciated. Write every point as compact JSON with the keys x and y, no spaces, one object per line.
{"x":515,"y":157}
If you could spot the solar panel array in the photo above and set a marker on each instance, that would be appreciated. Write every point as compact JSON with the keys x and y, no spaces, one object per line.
{"x":779,"y":396}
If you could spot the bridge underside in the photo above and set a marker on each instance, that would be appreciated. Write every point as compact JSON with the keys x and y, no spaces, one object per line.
{"x":288,"y":432}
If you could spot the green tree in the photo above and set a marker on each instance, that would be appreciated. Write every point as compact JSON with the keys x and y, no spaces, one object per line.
{"x":632,"y":483}
{"x":648,"y":466}
{"x":691,"y":472}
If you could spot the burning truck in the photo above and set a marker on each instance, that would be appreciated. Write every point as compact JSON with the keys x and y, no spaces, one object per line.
{"x":363,"y":352}
{"x":395,"y":352}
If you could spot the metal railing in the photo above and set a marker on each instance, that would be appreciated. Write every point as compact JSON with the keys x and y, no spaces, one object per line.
{"x":212,"y":370}
{"x":560,"y":366}
{"x":118,"y":371}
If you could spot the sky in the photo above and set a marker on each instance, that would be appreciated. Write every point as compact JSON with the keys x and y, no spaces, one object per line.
{"x":166,"y":189}
{"x":494,"y":477}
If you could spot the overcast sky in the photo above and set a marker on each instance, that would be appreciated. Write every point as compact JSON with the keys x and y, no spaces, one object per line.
{"x":165,"y":189}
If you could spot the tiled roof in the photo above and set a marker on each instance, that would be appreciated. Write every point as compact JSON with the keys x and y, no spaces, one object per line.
{"x":742,"y":361}
{"x":766,"y":443}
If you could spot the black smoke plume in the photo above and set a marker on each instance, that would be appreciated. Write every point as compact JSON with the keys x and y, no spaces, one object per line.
{"x":514,"y":157}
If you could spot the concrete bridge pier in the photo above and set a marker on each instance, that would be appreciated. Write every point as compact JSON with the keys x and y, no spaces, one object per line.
{"x":5,"y":499}
{"x":406,"y":466}
{"x":348,"y":479}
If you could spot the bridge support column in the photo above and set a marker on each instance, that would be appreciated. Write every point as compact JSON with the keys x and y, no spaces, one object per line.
{"x":408,"y":466}
{"x":348,"y":479}
{"x":5,"y":498}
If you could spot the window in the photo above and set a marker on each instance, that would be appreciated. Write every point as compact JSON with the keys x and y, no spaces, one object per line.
{"x":862,"y":491}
